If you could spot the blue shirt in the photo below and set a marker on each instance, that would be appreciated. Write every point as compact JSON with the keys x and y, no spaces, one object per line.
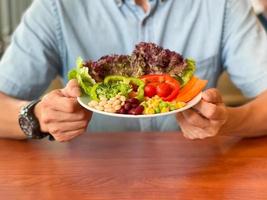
{"x":218,"y":34}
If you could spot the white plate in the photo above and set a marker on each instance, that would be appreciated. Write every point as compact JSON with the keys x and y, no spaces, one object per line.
{"x":84,"y":100}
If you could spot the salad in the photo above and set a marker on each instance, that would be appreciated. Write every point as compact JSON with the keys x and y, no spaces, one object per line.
{"x":151,"y":80}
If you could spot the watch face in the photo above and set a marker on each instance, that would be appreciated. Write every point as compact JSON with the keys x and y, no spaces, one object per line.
{"x":29,"y":124}
{"x":25,"y":125}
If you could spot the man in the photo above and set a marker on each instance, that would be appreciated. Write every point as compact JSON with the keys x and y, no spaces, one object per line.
{"x":54,"y":32}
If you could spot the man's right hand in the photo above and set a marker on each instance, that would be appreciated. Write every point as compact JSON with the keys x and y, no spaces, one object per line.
{"x":60,"y":114}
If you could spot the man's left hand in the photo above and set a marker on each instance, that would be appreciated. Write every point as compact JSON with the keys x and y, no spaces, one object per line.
{"x":206,"y":119}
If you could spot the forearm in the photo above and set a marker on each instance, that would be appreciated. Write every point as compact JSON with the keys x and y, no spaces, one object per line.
{"x":9,"y":127}
{"x":249,"y":120}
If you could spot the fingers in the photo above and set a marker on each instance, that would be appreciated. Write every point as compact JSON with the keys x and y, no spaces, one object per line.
{"x":56,"y":101}
{"x":206,"y":118}
{"x":196,"y":126}
{"x":50,"y":116}
{"x":60,"y":114}
{"x":63,"y":127}
{"x":182,"y":122}
{"x":212,"y":96}
{"x":189,"y":131}
{"x":210,"y":110}
{"x":66,"y":131}
{"x":67,"y":136}
{"x":72,"y":89}
{"x":195,"y":119}
{"x":211,"y":105}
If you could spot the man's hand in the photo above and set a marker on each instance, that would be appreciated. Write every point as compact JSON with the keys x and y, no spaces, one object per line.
{"x":60,"y":114}
{"x":206,"y":118}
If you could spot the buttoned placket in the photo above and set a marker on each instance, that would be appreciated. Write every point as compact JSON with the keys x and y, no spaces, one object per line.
{"x":144,"y":19}
{"x":120,"y":2}
{"x":145,"y":33}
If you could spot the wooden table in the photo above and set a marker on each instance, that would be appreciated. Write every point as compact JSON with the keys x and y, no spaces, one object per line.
{"x":134,"y":166}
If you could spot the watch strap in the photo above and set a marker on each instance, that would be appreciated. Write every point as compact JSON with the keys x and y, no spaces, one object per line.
{"x":28,"y":111}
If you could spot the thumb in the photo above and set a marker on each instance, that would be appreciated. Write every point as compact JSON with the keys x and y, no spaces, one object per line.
{"x":212,"y":96}
{"x":72,"y":89}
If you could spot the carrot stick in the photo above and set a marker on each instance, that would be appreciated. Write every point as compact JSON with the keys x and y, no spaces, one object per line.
{"x":188,"y":86}
{"x":194,"y":91}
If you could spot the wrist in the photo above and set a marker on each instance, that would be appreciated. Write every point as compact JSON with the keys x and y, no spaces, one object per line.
{"x":38,"y":114}
{"x":234,"y":124}
{"x":29,"y":123}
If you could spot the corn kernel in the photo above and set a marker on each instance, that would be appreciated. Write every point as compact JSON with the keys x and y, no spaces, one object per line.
{"x":165,"y":109}
{"x":179,"y":105}
{"x":149,"y":111}
{"x":157,"y":110}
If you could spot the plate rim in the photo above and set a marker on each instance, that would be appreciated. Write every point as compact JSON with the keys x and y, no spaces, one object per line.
{"x":194,"y":101}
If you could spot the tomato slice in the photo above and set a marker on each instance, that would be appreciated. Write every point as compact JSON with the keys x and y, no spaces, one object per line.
{"x":167,"y":86}
{"x":150,"y":90}
{"x":164,"y":90}
{"x":152,"y":78}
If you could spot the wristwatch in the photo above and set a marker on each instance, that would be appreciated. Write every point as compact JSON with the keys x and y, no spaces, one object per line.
{"x":29,"y":123}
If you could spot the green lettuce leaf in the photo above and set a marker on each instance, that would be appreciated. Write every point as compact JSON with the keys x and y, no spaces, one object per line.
{"x":81,"y":74}
{"x":72,"y":74}
{"x":110,"y":90}
{"x":187,"y":73}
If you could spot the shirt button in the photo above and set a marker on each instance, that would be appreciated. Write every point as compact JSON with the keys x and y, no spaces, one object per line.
{"x":118,"y":2}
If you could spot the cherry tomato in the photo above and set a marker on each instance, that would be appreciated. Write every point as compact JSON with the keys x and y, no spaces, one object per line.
{"x":164,"y":90}
{"x":157,"y":79}
{"x":150,"y":90}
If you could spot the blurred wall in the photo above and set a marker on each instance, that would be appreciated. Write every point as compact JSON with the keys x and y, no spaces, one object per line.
{"x":10,"y":14}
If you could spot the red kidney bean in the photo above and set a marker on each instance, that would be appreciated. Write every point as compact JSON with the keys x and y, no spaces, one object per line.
{"x":122,"y":111}
{"x":139,"y":110}
{"x":127,"y":106}
{"x":133,"y":101}
{"x":135,"y":105}
{"x":132,"y":112}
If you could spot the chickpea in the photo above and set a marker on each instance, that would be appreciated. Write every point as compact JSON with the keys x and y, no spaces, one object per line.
{"x":123,"y":98}
{"x":107,"y":106}
{"x":117,"y":102}
{"x":110,"y":110}
{"x":110,"y":102}
{"x":102,"y":103}
{"x":100,"y":108}
{"x":117,"y":107}
{"x":93,"y":103}
{"x":112,"y":99}
{"x":103,"y":99}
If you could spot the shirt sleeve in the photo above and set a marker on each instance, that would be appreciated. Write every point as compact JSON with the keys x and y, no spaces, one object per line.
{"x":244,"y":48}
{"x":32,"y":60}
